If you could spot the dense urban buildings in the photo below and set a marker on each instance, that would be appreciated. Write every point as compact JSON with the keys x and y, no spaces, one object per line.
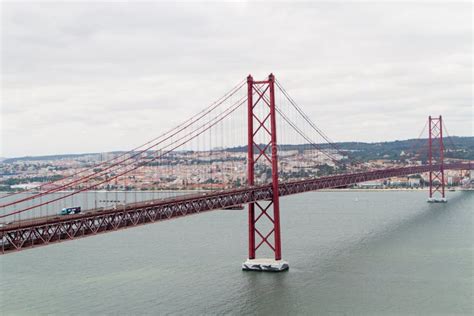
{"x":217,"y":169}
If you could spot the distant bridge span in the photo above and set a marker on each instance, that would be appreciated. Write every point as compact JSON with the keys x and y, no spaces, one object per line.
{"x":30,"y":233}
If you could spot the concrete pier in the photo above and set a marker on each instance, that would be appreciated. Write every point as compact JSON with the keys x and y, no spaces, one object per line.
{"x":437,"y":200}
{"x":267,"y":265}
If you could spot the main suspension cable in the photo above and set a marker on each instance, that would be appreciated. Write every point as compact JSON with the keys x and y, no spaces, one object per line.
{"x":231,"y":109}
{"x":176,"y":130}
{"x":200,"y":114}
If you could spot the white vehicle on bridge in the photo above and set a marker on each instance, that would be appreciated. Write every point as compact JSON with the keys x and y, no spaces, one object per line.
{"x":70,"y":210}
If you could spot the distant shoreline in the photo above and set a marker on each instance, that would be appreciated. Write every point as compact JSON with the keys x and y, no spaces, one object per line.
{"x":382,"y":190}
{"x":203,"y":191}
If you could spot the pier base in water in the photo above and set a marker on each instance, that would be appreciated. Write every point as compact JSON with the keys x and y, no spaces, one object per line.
{"x":437,"y":200}
{"x":266,"y":265}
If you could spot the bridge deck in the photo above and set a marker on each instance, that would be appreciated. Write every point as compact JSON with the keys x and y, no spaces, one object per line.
{"x":42,"y":231}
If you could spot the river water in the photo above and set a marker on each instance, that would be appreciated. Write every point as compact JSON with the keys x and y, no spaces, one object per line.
{"x":349,"y":253}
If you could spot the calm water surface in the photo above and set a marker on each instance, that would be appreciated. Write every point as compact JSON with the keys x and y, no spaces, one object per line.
{"x":349,"y":252}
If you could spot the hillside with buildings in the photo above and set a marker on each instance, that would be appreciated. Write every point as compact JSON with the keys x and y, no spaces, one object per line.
{"x":225,"y":168}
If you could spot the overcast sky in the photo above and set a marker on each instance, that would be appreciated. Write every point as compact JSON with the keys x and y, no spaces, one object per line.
{"x":89,"y":77}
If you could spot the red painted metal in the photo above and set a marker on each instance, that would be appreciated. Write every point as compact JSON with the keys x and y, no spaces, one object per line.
{"x":31,"y":233}
{"x":265,"y":103}
{"x":276,"y":197}
{"x":250,"y":167}
{"x":430,"y":152}
{"x":435,"y":144}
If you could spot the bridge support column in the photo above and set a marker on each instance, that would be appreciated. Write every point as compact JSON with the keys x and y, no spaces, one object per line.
{"x":264,"y":217}
{"x":436,"y":153}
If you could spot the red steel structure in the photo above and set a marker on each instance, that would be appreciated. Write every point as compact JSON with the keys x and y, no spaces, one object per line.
{"x":436,"y":151}
{"x":265,"y":124}
{"x":262,"y":198}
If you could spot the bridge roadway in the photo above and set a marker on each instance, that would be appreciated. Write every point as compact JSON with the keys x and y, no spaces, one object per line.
{"x":30,"y":233}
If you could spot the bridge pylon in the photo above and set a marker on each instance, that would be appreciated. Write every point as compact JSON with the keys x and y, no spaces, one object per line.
{"x":262,"y":147}
{"x":436,"y":152}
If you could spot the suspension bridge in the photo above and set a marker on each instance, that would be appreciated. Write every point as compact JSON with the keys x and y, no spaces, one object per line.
{"x":252,"y":146}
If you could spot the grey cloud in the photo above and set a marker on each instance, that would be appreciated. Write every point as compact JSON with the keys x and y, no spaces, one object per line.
{"x":128,"y":71}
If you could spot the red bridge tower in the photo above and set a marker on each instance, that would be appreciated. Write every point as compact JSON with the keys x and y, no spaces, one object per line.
{"x":436,"y":152}
{"x":262,"y":129}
